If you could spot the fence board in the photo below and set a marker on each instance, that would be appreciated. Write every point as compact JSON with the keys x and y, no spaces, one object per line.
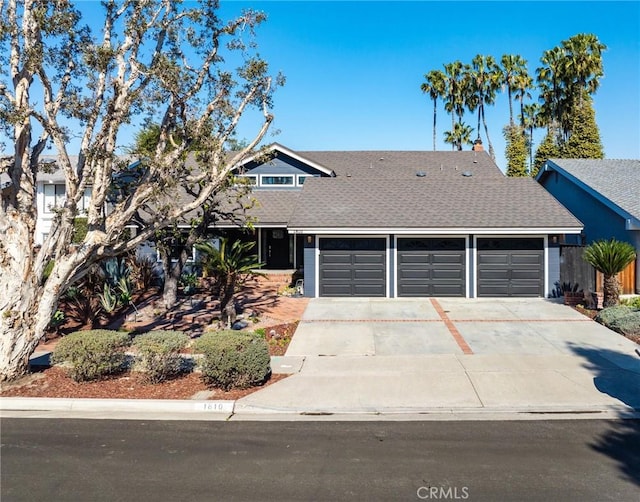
{"x":627,"y":279}
{"x":574,"y":270}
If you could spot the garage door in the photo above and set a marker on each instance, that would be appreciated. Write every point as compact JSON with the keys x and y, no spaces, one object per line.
{"x":353,"y":267}
{"x":431,"y":267}
{"x":510,"y":267}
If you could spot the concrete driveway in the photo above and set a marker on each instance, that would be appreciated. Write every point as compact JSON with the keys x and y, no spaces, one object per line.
{"x":522,"y":356}
{"x":385,"y":327}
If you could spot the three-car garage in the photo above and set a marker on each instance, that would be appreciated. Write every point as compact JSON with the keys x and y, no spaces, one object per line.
{"x":425,"y":266}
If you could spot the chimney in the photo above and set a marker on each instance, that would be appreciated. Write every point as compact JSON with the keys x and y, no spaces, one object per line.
{"x":477,"y":145}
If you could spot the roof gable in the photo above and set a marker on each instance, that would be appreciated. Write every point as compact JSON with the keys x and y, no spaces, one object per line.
{"x":615,"y":183}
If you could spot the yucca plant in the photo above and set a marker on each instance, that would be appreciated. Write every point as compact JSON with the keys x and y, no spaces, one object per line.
{"x":610,"y":257}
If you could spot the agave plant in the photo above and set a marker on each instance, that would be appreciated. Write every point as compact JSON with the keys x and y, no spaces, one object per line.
{"x":610,"y":257}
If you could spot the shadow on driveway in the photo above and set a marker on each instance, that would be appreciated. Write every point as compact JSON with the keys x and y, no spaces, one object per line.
{"x":622,"y":441}
{"x":621,"y":383}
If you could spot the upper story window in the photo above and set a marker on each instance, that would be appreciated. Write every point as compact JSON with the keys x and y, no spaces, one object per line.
{"x":54,"y":197}
{"x":280,"y":181}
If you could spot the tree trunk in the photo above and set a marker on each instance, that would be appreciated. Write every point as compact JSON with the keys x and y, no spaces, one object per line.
{"x":227,"y":291}
{"x":611,"y":286}
{"x":172,"y":273}
{"x":435,"y":104}
{"x":27,"y":307}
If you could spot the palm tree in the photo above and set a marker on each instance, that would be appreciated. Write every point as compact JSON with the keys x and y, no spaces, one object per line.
{"x":485,"y":79}
{"x":583,"y":63}
{"x":454,"y":104}
{"x":230,"y":264}
{"x":460,"y":135}
{"x":530,"y":120}
{"x":551,"y":84}
{"x":435,"y":86}
{"x":515,"y":78}
{"x":610,"y":257}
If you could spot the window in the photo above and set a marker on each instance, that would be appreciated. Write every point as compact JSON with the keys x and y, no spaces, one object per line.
{"x":86,"y":200}
{"x":276,"y":180}
{"x":54,"y":196}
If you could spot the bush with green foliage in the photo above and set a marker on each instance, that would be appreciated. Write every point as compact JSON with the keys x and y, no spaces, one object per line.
{"x":92,"y":354}
{"x":608,"y":315}
{"x":158,"y":353}
{"x":628,"y":324}
{"x":234,"y":359}
{"x":631,"y":302}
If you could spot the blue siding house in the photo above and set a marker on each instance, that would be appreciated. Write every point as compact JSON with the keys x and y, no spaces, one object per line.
{"x":603,"y":194}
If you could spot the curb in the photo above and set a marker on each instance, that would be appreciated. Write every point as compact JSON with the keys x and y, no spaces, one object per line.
{"x":116,"y":405}
{"x":227,"y":410}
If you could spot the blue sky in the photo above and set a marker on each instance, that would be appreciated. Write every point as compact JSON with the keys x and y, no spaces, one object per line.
{"x":354,"y":69}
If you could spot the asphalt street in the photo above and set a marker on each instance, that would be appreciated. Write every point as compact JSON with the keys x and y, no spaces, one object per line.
{"x":111,"y":460}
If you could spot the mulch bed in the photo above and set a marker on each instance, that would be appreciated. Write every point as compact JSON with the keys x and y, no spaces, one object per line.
{"x":54,"y":383}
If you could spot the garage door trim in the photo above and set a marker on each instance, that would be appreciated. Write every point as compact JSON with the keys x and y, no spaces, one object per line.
{"x":320,"y":237}
{"x":467,"y":269}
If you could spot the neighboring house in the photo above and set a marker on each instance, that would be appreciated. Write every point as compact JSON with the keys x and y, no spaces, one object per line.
{"x":50,"y":194}
{"x":399,"y":223}
{"x":603,"y":194}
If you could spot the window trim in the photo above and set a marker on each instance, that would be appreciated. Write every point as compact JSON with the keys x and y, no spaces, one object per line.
{"x":271,"y":185}
{"x":50,"y":208}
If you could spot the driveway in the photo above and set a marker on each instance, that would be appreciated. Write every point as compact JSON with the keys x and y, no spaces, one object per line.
{"x":434,"y":356}
{"x":387,"y":327}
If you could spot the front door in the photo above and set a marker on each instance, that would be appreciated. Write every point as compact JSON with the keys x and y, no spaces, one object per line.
{"x":277,"y":249}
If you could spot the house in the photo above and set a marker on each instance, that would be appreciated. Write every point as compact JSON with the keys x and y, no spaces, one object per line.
{"x":603,"y":194}
{"x":395,"y":223}
{"x":50,"y":194}
{"x":409,"y":223}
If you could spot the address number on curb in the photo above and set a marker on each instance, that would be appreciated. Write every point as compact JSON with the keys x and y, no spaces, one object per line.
{"x":215,"y":406}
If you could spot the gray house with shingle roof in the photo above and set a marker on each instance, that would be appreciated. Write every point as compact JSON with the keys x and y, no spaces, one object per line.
{"x":603,"y":194}
{"x":392,"y":224}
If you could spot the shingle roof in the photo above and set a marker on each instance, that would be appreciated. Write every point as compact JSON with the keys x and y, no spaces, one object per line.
{"x":405,"y":164}
{"x":427,"y":204}
{"x":616,"y":180}
{"x":273,"y":207}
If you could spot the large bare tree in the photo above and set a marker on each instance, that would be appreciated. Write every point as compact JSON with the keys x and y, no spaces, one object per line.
{"x":62,"y":82}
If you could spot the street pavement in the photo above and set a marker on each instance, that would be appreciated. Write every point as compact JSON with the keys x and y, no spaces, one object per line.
{"x":109,"y":460}
{"x":421,"y":359}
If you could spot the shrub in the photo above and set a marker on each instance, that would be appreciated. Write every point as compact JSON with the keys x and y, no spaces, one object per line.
{"x":234,"y":359}
{"x":632,"y":302}
{"x":143,"y":272}
{"x":628,"y":324}
{"x":608,"y":315}
{"x":159,"y":353}
{"x":92,"y":354}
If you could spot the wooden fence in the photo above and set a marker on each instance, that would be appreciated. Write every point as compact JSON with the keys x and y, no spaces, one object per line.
{"x":574,"y":270}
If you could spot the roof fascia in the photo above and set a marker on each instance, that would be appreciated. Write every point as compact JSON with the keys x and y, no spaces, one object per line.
{"x":437,"y":231}
{"x":631,"y":223}
{"x":282,"y":149}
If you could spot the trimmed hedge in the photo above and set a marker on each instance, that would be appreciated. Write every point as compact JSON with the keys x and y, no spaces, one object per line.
{"x":92,"y":354}
{"x":233,"y":359}
{"x":159,"y":354}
